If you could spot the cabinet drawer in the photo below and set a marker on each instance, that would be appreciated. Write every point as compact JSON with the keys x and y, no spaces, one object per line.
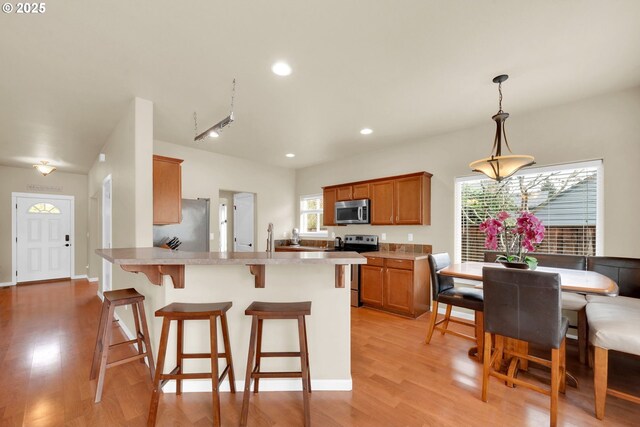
{"x":405,"y":264}
{"x":375,"y":261}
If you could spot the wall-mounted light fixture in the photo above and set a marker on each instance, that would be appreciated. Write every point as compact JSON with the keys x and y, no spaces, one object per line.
{"x":215,"y":130}
{"x":497,"y":166}
{"x":44,"y":167}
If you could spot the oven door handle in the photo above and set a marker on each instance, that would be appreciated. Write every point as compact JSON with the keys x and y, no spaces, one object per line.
{"x":360,"y":213}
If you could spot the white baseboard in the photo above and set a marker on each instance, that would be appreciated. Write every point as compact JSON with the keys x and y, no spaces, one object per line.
{"x":100,"y":296}
{"x":5,"y":284}
{"x":92,"y":279}
{"x":79,"y":276}
{"x":266,"y":384}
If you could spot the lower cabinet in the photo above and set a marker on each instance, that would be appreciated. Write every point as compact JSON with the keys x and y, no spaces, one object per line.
{"x":395,"y":285}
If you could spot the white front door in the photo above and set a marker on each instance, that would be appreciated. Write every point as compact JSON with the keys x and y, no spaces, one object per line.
{"x":243,"y":222}
{"x":43,"y":232}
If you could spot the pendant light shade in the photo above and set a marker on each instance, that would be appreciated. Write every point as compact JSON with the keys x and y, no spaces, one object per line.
{"x":497,"y":166}
{"x":44,"y":167}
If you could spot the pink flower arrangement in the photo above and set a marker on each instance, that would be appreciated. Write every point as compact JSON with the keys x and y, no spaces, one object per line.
{"x":518,"y":236}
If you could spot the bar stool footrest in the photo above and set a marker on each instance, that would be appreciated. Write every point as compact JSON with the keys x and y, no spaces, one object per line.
{"x":280,"y":354}
{"x":125,"y":360}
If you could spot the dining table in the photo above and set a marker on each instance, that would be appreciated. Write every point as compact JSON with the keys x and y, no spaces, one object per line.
{"x":578,"y":281}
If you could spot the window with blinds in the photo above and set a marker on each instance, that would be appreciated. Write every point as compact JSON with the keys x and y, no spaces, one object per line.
{"x":565,"y":197}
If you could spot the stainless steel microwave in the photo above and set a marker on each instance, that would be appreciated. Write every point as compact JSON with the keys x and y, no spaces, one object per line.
{"x":352,"y":212}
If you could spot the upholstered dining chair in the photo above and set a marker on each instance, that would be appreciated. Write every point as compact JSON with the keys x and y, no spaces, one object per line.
{"x":524,"y":305}
{"x":444,"y":292}
{"x":571,"y":301}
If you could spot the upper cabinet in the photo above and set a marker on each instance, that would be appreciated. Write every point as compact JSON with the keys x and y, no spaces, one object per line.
{"x":167,"y":190}
{"x":328,"y":205}
{"x":396,"y":200}
{"x":382,"y":206}
{"x":344,"y":193}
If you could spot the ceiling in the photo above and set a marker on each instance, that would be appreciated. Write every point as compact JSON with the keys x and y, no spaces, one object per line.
{"x":406,"y":69}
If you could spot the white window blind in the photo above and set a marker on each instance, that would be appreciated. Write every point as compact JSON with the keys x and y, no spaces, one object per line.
{"x":565,"y":197}
{"x":311,"y":216}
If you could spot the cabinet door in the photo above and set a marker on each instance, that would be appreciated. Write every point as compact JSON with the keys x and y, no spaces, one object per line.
{"x":408,"y":200}
{"x":360,"y":191}
{"x":382,"y":202}
{"x":398,"y":290}
{"x":328,"y":206}
{"x":344,"y":193}
{"x":167,"y":190}
{"x":371,"y":283}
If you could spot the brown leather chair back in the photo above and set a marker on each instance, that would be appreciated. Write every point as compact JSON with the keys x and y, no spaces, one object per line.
{"x":624,"y":271}
{"x":439,"y":283}
{"x":523,"y":304}
{"x":573,"y":262}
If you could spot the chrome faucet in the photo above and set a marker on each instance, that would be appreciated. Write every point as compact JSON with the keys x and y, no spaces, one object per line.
{"x":270,"y":242}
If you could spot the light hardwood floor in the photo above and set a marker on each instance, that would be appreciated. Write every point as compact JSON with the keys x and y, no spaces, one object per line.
{"x":47,"y":334}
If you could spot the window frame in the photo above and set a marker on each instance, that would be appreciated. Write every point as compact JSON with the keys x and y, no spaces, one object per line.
{"x":596,"y":163}
{"x":320,"y":233}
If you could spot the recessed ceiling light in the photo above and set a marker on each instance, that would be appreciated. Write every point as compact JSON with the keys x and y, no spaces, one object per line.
{"x":366,"y":131}
{"x":214,"y":134}
{"x":290,"y":155}
{"x":281,"y":68}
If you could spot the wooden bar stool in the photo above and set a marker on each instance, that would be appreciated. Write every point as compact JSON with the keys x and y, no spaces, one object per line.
{"x":277,"y":310}
{"x":182,"y":312}
{"x":113,"y":299}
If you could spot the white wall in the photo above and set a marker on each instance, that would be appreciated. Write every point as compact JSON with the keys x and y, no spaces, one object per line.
{"x":19,"y":180}
{"x":129,"y":161}
{"x":604,"y":127}
{"x":204,"y":174}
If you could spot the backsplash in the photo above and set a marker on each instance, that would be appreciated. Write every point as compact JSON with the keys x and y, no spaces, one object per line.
{"x":385,"y":247}
{"x":305,"y":242}
{"x":410,"y":248}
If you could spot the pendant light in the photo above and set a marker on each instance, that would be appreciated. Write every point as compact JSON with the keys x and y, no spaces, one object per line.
{"x":44,"y":167}
{"x":499,"y":167}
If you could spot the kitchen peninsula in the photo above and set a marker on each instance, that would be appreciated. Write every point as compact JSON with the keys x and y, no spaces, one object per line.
{"x":281,"y":277}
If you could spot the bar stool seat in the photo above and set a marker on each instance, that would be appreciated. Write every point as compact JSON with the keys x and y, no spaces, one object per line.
{"x":113,"y":299}
{"x":277,"y":310}
{"x":193,"y":311}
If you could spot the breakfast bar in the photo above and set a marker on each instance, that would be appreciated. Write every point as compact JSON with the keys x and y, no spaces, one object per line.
{"x":241,"y":278}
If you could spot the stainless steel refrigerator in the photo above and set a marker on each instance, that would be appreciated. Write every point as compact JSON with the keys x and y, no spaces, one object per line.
{"x":193,"y":231}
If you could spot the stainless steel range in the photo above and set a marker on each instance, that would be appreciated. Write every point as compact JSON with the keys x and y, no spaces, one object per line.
{"x":358,"y":243}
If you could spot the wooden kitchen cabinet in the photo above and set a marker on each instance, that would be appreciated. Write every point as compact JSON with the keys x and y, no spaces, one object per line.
{"x":344,"y":193}
{"x":396,"y":200}
{"x":402,"y":201}
{"x":360,"y":191}
{"x":412,"y":200}
{"x":328,"y":206}
{"x":372,"y":282}
{"x":167,"y":190}
{"x":382,"y":202}
{"x":396,"y":285}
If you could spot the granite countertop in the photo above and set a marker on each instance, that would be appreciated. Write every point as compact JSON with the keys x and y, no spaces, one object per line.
{"x":159,"y":256}
{"x":396,"y":255}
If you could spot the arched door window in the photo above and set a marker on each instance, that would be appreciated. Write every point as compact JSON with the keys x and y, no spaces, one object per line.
{"x":44,"y":208}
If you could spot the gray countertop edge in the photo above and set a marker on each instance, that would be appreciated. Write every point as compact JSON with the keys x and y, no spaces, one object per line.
{"x":159,"y":256}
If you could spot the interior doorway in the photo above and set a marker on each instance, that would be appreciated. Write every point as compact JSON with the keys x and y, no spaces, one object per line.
{"x":244,"y":222}
{"x":107,"y":267}
{"x":237,"y":216}
{"x":42,"y":240}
